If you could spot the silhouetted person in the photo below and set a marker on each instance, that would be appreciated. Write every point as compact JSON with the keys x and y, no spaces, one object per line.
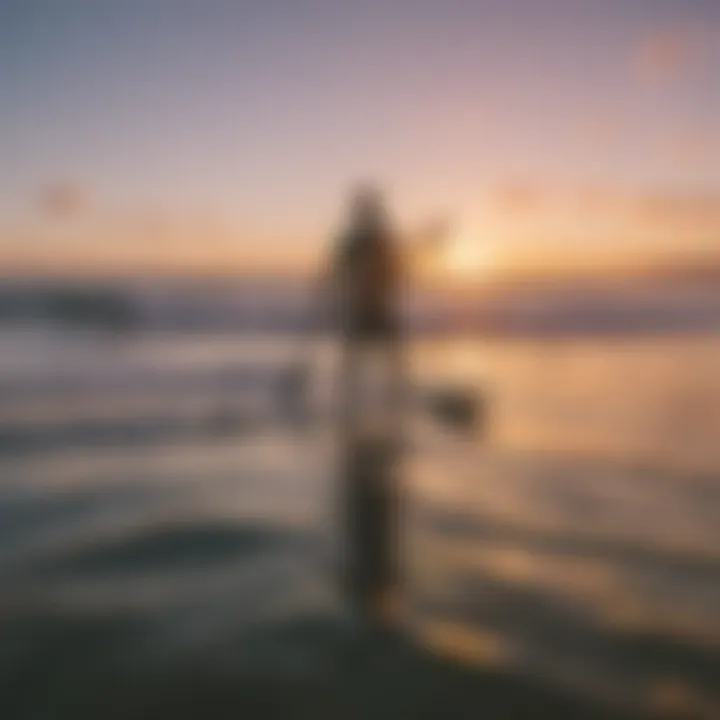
{"x":365,"y":282}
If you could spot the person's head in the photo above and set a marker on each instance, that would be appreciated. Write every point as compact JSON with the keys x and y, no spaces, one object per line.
{"x":366,"y":207}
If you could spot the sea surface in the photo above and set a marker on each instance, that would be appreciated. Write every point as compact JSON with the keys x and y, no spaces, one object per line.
{"x":160,"y":505}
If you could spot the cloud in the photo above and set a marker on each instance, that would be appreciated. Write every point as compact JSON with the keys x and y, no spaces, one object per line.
{"x":531,"y":200}
{"x":681,"y":209}
{"x":690,"y":214}
{"x":664,"y":54}
{"x":601,"y":130}
{"x":519,"y":198}
{"x":63,"y":200}
{"x":694,"y":148}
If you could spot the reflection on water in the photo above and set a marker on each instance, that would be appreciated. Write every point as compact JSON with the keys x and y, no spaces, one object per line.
{"x":575,"y":541}
{"x":646,"y":401}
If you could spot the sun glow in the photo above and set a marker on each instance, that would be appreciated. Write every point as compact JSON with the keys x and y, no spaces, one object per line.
{"x":468,"y":256}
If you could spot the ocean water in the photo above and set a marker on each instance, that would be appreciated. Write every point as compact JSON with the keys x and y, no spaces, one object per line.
{"x":158,"y":507}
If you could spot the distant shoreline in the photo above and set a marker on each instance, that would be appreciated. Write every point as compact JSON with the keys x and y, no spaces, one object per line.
{"x":533,"y":313}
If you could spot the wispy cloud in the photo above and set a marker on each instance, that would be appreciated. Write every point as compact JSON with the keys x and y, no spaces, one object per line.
{"x":611,"y":213}
{"x":695,"y":147}
{"x":519,"y":197}
{"x":63,"y":200}
{"x":665,"y":54}
{"x":601,"y":130}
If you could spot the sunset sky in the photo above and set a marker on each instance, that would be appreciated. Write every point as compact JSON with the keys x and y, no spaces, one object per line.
{"x":178,"y":136}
